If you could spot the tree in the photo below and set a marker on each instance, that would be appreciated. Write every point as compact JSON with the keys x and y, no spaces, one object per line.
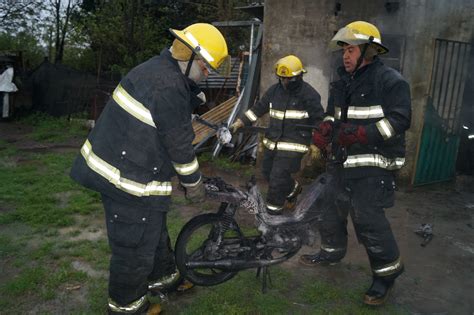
{"x":25,"y":42}
{"x":16,"y":16}
{"x":62,"y":12}
{"x":124,"y":33}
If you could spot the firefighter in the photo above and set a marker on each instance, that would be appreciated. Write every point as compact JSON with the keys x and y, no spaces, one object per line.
{"x":289,"y":102}
{"x":372,"y":104}
{"x":142,"y":139}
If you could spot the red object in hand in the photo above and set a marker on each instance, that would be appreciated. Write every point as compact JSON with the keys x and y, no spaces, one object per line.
{"x":350,"y":134}
{"x":322,"y":135}
{"x":325,"y":128}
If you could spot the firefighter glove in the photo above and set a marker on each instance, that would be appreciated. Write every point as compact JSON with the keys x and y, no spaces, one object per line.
{"x":196,"y":193}
{"x":236,"y":125}
{"x":315,"y":153}
{"x":322,"y":135}
{"x":350,"y":134}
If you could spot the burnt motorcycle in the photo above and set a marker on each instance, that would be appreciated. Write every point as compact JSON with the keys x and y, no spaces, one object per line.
{"x":212,"y":248}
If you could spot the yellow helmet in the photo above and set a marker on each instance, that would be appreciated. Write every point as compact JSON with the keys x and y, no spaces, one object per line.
{"x":358,"y":33}
{"x":204,"y":40}
{"x":289,"y":66}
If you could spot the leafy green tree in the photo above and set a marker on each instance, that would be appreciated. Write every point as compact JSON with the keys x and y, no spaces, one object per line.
{"x":124,"y":33}
{"x":26,"y":42}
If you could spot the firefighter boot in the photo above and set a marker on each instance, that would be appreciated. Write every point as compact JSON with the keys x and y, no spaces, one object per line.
{"x":133,"y":308}
{"x":274,"y":209}
{"x":321,"y":258}
{"x":184,"y":286}
{"x":379,"y":291}
{"x":154,"y":309}
{"x":293,"y":197}
{"x":162,"y":289}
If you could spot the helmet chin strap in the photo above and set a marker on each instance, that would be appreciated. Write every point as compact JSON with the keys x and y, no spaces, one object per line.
{"x":190,"y":63}
{"x":362,"y":54}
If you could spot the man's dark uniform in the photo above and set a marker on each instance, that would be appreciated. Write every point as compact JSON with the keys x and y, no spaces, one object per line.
{"x":141,"y":140}
{"x":285,"y":143}
{"x":378,"y":98}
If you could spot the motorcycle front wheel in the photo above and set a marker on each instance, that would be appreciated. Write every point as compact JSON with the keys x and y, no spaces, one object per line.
{"x":205,"y":239}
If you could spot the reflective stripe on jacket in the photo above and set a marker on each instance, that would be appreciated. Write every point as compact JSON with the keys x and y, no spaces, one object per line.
{"x":143,"y":137}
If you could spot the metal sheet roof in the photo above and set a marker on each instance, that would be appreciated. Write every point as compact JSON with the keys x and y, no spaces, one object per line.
{"x":215,"y":81}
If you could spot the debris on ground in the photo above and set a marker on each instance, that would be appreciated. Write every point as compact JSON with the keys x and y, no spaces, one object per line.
{"x":425,"y":230}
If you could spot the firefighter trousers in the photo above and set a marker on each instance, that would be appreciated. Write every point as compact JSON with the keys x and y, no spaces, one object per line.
{"x":141,"y":253}
{"x":277,"y":169}
{"x":365,"y":200}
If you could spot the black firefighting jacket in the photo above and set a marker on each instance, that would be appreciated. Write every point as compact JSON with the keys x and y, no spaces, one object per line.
{"x":143,"y":137}
{"x":377,"y":97}
{"x":300,"y":104}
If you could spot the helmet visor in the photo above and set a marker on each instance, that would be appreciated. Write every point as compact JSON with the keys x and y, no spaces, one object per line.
{"x":225,"y":67}
{"x":346,"y":35}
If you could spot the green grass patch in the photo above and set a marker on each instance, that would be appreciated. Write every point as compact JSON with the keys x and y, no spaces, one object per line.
{"x":8,"y":246}
{"x":179,"y":200}
{"x":6,"y":149}
{"x":224,"y":163}
{"x":96,"y":298}
{"x":321,"y":296}
{"x":37,"y":282}
{"x":28,"y":280}
{"x":42,"y":192}
{"x":242,"y":295}
{"x":63,"y":274}
{"x":44,"y":251}
{"x":96,"y":253}
{"x":52,"y":129}
{"x":174,"y":223}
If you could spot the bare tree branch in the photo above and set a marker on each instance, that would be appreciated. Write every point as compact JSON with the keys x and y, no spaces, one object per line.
{"x":13,"y":12}
{"x":60,"y":48}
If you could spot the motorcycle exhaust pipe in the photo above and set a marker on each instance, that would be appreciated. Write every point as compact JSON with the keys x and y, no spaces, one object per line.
{"x":238,"y":264}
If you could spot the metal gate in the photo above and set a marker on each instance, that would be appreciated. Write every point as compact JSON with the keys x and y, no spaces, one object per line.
{"x":440,"y":136}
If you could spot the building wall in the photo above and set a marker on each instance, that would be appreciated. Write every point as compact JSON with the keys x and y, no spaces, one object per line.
{"x":305,"y":27}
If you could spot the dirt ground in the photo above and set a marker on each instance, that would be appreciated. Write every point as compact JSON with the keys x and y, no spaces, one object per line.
{"x":439,"y":278}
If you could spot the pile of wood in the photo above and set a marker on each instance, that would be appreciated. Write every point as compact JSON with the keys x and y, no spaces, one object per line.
{"x":217,"y":115}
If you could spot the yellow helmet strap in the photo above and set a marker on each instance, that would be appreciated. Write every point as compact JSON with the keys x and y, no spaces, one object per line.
{"x":362,"y":53}
{"x":371,"y":52}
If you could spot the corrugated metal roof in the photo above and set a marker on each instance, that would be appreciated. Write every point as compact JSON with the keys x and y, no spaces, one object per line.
{"x":215,"y":81}
{"x":216,"y":115}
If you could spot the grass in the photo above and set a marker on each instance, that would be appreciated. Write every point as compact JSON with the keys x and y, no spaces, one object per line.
{"x":35,"y":188}
{"x":243,"y":295}
{"x":38,"y":254}
{"x":223,"y":163}
{"x":286,"y":295}
{"x":37,"y":198}
{"x":51,"y":129}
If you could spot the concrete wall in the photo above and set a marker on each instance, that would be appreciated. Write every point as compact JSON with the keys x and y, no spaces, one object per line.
{"x":305,"y":27}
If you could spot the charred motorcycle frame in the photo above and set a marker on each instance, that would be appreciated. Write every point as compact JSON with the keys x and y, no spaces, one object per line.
{"x":211,"y":248}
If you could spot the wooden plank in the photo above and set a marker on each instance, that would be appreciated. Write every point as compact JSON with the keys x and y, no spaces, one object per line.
{"x":216,"y":115}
